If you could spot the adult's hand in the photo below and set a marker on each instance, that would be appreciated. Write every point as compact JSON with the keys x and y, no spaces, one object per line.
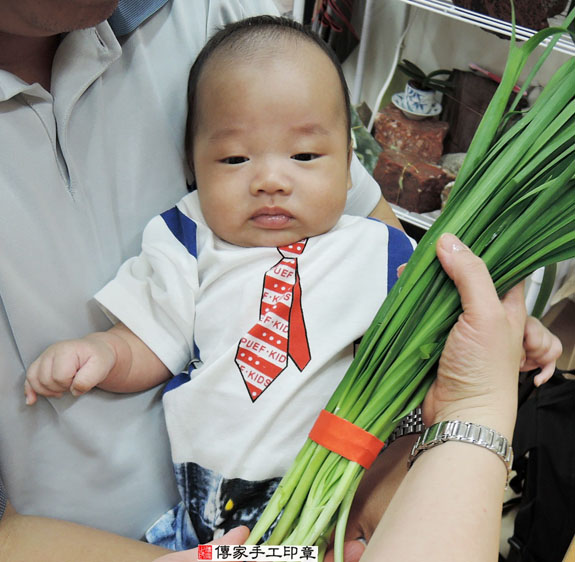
{"x":352,"y":551}
{"x":476,"y":382}
{"x":478,"y":370}
{"x":236,"y":536}
{"x":477,"y":377}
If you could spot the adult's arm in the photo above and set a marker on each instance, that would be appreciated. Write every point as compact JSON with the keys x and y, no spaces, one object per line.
{"x":26,"y":538}
{"x":448,"y":507}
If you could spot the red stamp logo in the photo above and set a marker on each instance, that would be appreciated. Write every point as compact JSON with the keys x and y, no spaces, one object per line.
{"x":205,"y":552}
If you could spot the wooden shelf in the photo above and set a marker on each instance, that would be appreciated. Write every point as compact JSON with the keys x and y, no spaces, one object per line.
{"x":448,"y":9}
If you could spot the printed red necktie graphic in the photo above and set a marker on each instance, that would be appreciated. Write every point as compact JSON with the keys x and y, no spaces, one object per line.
{"x":280,"y":332}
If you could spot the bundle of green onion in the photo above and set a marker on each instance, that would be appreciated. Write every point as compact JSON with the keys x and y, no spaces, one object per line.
{"x":513,"y":204}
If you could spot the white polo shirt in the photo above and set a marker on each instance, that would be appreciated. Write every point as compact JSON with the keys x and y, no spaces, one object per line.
{"x":81,"y":172}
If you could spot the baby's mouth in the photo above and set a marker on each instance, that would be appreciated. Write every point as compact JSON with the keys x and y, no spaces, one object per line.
{"x":272,"y":217}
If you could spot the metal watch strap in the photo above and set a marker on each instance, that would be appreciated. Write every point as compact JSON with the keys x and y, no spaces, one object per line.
{"x":409,"y":425}
{"x":466,"y":432}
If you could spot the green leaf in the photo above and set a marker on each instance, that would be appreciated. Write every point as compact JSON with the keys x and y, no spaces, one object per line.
{"x":425,"y":351}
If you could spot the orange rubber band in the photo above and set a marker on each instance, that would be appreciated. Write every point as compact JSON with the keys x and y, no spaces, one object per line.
{"x":346,"y":439}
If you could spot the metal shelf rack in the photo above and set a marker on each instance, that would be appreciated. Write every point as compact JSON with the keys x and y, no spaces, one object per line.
{"x":448,"y":9}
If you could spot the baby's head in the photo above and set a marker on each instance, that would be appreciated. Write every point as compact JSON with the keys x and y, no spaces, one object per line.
{"x":268,"y":133}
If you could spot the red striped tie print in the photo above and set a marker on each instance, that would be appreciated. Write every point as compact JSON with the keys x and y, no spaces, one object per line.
{"x":280,"y":331}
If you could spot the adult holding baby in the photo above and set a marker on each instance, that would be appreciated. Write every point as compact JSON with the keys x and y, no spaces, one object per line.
{"x":92,"y":146}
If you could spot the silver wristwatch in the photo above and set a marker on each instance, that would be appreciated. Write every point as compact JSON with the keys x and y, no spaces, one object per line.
{"x":466,"y":432}
{"x":409,"y":425}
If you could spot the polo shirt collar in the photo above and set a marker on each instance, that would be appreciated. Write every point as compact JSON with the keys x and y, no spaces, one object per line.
{"x":11,"y":85}
{"x":81,"y":57}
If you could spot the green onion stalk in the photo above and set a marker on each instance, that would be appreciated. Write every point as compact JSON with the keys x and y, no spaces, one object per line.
{"x":513,"y":204}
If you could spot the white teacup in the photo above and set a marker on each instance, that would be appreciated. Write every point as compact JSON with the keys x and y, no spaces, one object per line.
{"x":418,"y":101}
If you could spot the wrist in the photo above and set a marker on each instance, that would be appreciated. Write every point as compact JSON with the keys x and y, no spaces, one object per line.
{"x":106,"y":342}
{"x":119,"y":353}
{"x":465,"y":433}
{"x":501,"y":420}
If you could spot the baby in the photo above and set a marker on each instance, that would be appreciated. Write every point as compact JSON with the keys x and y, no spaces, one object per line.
{"x":255,"y":285}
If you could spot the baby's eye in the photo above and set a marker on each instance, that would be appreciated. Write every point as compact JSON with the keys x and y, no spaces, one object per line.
{"x":305,"y":156}
{"x":234,"y":160}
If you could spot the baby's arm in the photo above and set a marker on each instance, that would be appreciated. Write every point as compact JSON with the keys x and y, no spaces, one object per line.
{"x":541,"y":349}
{"x":116,"y":360}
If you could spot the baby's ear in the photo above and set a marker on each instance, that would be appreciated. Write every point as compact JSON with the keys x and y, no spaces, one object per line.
{"x":189,"y":172}
{"x":349,"y":157}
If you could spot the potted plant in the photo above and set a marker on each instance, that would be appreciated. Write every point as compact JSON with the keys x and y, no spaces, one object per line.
{"x":423,"y":81}
{"x":419,"y":97}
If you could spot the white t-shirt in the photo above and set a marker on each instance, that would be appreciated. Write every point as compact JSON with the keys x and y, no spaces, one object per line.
{"x":82,"y":170}
{"x":190,"y":294}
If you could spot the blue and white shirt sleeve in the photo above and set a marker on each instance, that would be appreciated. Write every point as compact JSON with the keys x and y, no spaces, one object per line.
{"x":154,"y":294}
{"x":400,"y":247}
{"x":399,"y":250}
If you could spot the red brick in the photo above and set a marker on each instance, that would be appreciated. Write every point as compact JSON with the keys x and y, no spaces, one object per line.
{"x":410,"y":182}
{"x":423,"y":138}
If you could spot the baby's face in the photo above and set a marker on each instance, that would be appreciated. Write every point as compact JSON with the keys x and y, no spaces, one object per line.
{"x":270,"y":149}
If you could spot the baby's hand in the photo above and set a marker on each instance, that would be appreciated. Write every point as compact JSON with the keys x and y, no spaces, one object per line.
{"x":540,"y":349}
{"x":75,"y":365}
